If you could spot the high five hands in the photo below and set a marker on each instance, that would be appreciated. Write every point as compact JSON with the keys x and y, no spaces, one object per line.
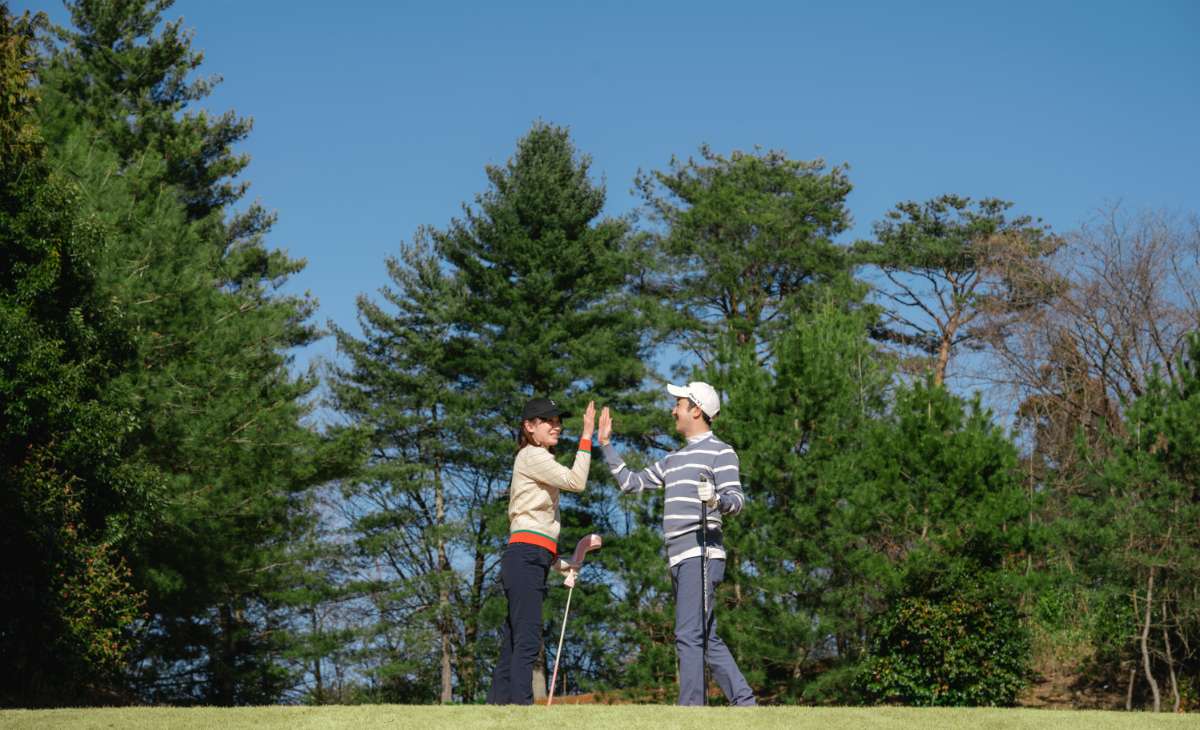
{"x":605,"y":433}
{"x":589,"y":421}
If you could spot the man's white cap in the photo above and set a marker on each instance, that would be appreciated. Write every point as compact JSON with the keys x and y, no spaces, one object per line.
{"x":702,"y":394}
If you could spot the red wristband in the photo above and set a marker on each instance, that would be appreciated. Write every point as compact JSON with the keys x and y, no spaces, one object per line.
{"x":585,"y":445}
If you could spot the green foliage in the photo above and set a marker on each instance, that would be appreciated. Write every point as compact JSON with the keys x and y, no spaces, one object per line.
{"x":159,"y":519}
{"x":1135,"y":529}
{"x":944,"y":507}
{"x":745,"y":238}
{"x":206,"y":384}
{"x":71,"y":502}
{"x":796,"y":426}
{"x":849,"y":483}
{"x":125,"y":71}
{"x":958,"y":273}
{"x":950,"y":639}
{"x":522,"y":296}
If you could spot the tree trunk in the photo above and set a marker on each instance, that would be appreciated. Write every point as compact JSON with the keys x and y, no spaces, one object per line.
{"x":1170,"y":660}
{"x":445,"y":571}
{"x":447,"y":686}
{"x":1146,"y":643}
{"x":943,"y":360}
{"x":319,"y":685}
{"x":1129,"y":689}
{"x":223,"y":683}
{"x":539,"y":675}
{"x":468,"y":671}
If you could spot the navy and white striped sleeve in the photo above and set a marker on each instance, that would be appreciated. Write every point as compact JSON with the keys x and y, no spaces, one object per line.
{"x":728,"y":481}
{"x":630,"y":481}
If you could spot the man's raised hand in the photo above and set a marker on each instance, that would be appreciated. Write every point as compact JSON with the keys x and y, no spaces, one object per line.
{"x":605,"y":426}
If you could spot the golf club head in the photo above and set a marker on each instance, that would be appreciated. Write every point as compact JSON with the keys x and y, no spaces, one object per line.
{"x":585,"y":545}
{"x":582,"y":548}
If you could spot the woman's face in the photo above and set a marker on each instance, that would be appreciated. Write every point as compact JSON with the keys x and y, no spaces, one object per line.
{"x":544,"y":432}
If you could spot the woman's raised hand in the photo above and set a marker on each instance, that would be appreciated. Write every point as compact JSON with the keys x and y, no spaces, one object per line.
{"x":589,"y":421}
{"x":605,"y":426}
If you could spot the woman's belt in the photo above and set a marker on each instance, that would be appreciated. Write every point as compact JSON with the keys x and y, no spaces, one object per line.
{"x":534,"y":538}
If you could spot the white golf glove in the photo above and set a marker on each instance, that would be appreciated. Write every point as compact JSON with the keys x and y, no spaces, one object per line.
{"x":708,"y":494}
{"x":569,"y":571}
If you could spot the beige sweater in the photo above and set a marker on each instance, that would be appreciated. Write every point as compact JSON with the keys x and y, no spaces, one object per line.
{"x":536,"y":481}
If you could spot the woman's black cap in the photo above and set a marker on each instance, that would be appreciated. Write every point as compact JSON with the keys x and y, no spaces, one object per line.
{"x":542,"y":408}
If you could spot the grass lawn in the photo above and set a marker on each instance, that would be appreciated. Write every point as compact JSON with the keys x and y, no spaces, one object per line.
{"x":567,"y":717}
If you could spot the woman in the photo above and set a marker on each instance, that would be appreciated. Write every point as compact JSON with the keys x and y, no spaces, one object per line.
{"x":533,"y":522}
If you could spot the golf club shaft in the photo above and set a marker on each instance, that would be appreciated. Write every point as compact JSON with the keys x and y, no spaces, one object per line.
{"x":558,"y":654}
{"x":704,"y":592}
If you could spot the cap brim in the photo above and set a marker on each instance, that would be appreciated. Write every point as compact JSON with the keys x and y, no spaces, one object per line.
{"x":678,"y":391}
{"x":547,"y":414}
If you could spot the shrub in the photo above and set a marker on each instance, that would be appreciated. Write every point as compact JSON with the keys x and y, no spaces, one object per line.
{"x":964,"y":647}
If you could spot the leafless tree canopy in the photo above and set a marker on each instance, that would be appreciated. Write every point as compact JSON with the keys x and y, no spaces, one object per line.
{"x":1131,"y":296}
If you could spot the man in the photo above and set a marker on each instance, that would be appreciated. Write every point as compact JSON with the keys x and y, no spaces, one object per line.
{"x":703,"y":472}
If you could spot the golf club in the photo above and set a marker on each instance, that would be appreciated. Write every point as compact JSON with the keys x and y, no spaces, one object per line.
{"x":587,"y":544}
{"x":704,"y":582}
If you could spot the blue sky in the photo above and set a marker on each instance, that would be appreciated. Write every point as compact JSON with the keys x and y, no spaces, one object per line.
{"x":373,"y":118}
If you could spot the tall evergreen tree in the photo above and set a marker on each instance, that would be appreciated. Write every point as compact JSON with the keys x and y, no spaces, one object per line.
{"x":413,"y":506}
{"x":744,"y":252}
{"x":743,"y":239}
{"x":125,"y":71}
{"x":72,"y":501}
{"x":216,"y":406}
{"x":522,"y":296}
{"x":797,"y":426}
{"x":549,"y":313}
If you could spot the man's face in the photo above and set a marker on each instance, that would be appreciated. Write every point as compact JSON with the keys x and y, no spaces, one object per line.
{"x":684,"y":416}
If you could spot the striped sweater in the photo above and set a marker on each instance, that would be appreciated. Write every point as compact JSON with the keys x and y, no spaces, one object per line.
{"x":678,"y":475}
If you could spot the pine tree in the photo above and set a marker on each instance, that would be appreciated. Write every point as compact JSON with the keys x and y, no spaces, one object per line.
{"x":851,"y":486}
{"x":797,"y":426}
{"x":412,"y":506}
{"x":525,"y":295}
{"x":72,"y":503}
{"x":937,"y":514}
{"x":126,"y":72}
{"x":956,"y":276}
{"x":216,"y":406}
{"x":743,"y":240}
{"x":550,"y":314}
